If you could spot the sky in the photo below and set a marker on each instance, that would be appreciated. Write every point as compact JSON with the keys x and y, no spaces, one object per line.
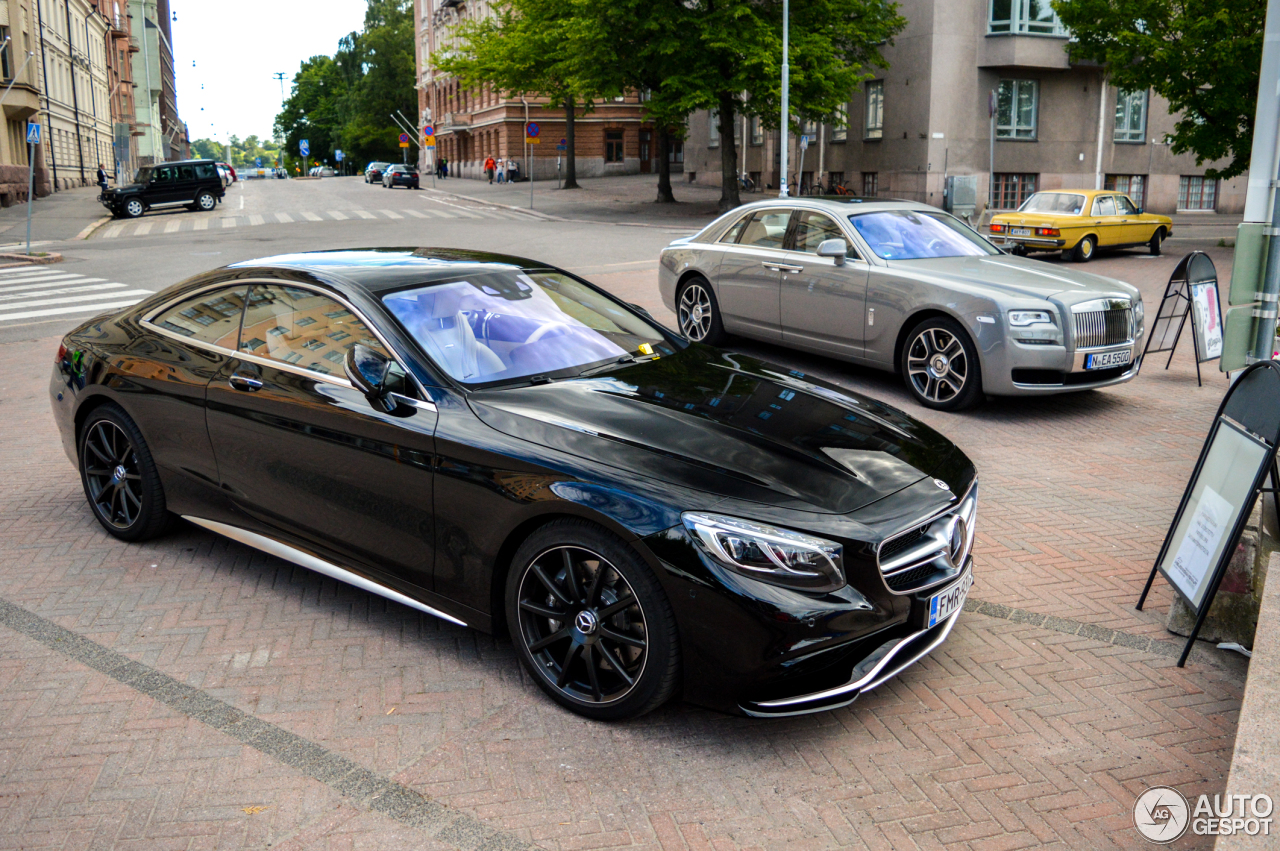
{"x":236,"y":46}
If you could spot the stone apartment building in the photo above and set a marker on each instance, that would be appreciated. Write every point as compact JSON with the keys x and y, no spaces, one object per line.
{"x":162,"y":134}
{"x":926,"y":117}
{"x":121,"y":45}
{"x":611,"y":138}
{"x":23,"y":102}
{"x":72,"y":59}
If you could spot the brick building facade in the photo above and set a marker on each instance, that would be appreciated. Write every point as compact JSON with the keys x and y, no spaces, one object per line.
{"x":23,"y":103}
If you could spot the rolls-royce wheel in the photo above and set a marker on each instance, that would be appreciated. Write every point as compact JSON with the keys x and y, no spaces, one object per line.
{"x":1083,"y":252}
{"x":591,"y":623}
{"x":698,"y":312}
{"x":1154,"y":245}
{"x":940,"y":366}
{"x":119,"y":476}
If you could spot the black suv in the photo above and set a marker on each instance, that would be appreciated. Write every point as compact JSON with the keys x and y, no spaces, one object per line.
{"x":400,"y":175}
{"x":373,"y":173}
{"x":194,"y":184}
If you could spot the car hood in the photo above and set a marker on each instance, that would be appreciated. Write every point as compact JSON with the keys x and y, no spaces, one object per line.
{"x":1017,"y":276}
{"x":729,"y":425}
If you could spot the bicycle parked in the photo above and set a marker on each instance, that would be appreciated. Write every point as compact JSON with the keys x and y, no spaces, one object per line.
{"x":745,"y":183}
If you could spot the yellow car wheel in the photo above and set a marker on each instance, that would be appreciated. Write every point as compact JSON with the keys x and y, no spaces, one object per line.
{"x":1083,"y":252}
{"x":1154,"y":245}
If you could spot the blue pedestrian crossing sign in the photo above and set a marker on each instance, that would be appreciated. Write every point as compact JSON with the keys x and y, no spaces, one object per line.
{"x":257,"y":162}
{"x":33,"y":133}
{"x":304,"y":147}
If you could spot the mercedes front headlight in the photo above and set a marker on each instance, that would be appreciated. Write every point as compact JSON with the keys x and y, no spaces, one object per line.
{"x":769,"y":554}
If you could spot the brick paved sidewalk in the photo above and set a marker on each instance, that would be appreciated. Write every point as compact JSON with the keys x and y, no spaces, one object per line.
{"x":192,"y":693}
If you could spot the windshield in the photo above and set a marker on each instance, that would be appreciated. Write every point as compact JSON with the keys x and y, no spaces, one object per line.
{"x":143,"y":175}
{"x":1053,"y":202}
{"x":504,"y":326}
{"x":917,"y":235}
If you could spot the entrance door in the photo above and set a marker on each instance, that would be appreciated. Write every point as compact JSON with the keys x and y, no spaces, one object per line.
{"x":646,"y":155}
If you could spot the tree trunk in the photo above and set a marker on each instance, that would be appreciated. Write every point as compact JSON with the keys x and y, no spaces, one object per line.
{"x":663,"y":141}
{"x":729,"y":197}
{"x":570,"y":155}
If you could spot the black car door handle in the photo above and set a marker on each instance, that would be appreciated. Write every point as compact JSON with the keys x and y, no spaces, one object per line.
{"x":245,"y":383}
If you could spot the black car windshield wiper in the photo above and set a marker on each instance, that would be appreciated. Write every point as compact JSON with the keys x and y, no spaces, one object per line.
{"x":627,"y":358}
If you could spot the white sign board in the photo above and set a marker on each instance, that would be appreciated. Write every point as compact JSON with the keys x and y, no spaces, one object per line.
{"x":1222,"y":491}
{"x":1207,"y":314}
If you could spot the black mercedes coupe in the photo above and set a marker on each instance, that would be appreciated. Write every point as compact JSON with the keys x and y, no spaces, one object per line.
{"x":501,"y":444}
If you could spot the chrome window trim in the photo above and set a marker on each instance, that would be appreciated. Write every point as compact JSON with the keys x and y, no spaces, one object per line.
{"x":147,"y":322}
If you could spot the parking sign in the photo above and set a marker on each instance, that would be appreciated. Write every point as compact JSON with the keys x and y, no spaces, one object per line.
{"x":33,"y":133}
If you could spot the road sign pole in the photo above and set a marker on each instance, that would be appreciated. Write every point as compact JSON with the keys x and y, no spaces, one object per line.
{"x":31,"y":189}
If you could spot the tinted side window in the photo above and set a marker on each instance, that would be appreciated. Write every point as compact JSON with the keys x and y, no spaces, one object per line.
{"x":211,"y":317}
{"x":204,"y":171}
{"x":187,"y":172}
{"x":163,"y":175}
{"x":303,"y":328}
{"x":766,"y":229}
{"x":812,"y":229}
{"x":1105,"y":206}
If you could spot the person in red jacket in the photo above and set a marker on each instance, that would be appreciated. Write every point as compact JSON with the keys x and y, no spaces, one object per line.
{"x":489,"y":167}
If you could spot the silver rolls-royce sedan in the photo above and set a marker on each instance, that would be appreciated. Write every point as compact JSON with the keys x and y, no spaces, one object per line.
{"x":904,"y":287}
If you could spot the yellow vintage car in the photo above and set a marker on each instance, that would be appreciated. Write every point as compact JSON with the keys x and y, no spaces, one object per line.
{"x":1078,"y":222}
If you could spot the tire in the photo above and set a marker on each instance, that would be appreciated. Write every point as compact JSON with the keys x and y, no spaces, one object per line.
{"x":940,"y":366}
{"x":205,"y":202}
{"x":119,"y":476}
{"x":1083,"y":252}
{"x":1154,"y":245}
{"x":698,"y":312}
{"x":133,"y":208}
{"x":586,"y":648}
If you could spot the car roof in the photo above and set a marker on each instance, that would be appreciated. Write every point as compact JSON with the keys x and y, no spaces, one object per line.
{"x":379,"y":269}
{"x":183,"y":162}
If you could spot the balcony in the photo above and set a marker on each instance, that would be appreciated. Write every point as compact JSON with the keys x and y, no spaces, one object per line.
{"x":134,"y":45}
{"x":450,"y":4}
{"x":456,"y":121}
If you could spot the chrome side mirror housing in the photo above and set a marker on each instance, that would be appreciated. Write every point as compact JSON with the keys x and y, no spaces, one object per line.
{"x":834,"y":248}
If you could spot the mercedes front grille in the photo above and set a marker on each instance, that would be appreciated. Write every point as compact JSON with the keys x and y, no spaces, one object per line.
{"x":931,"y":552}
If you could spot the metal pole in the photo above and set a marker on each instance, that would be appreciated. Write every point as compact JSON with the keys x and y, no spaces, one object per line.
{"x":1265,"y":164}
{"x":786,"y":96}
{"x":529,"y":149}
{"x":993,"y":106}
{"x":31,"y":189}
{"x":1102,"y":117}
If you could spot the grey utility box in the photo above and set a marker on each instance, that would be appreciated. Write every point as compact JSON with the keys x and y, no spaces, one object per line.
{"x":960,"y":197}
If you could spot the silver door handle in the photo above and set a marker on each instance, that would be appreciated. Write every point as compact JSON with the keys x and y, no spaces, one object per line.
{"x":774,"y":267}
{"x":244,"y":382}
{"x":795,"y":270}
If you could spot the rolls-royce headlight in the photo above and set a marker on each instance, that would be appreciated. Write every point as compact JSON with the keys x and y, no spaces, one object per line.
{"x":1139,"y":313}
{"x":1023,"y":318}
{"x":769,"y":554}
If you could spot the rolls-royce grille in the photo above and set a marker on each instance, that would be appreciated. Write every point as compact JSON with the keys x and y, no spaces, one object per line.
{"x":1103,"y":328}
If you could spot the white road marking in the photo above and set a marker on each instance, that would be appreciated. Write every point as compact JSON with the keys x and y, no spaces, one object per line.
{"x":284,"y":218}
{"x":312,"y":217}
{"x":62,"y":290}
{"x":229,"y":222}
{"x":365,"y":214}
{"x":79,"y":298}
{"x":172,"y":227}
{"x":391,"y":214}
{"x":58,"y":311}
{"x":25,"y":289}
{"x":342,"y":217}
{"x":29,"y":271}
{"x":202,"y":224}
{"x":417,"y":214}
{"x":143,"y":229}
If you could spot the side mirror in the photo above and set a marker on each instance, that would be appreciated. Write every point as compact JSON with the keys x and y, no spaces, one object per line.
{"x":1140,"y":211}
{"x":836,"y":248}
{"x":367,"y":371}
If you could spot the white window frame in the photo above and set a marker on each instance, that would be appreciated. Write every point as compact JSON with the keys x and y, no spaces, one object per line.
{"x":713,"y":128}
{"x":757,"y":130}
{"x":840,"y":123}
{"x":1022,"y":22}
{"x":1130,"y":105}
{"x":874,"y":113}
{"x":1184,"y":192}
{"x":1014,"y":130}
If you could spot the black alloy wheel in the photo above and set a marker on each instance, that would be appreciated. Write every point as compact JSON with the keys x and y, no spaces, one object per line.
{"x":591,"y":623}
{"x":119,"y":476}
{"x":940,"y":366}
{"x":133,"y":208}
{"x":1154,"y":245}
{"x":698,"y":312}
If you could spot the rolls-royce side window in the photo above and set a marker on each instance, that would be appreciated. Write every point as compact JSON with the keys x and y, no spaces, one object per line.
{"x":813,"y":229}
{"x":917,"y":235}
{"x":767,"y":229}
{"x":732,"y":234}
{"x":303,"y":328}
{"x":210,"y":317}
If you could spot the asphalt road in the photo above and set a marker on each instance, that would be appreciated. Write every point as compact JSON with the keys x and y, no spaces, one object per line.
{"x":324,"y":214}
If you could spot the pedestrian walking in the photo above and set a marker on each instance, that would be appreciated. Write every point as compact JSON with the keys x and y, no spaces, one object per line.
{"x":513,"y":171}
{"x":444,"y":164}
{"x":501,"y":170}
{"x":489,"y":168}
{"x":102,"y":178}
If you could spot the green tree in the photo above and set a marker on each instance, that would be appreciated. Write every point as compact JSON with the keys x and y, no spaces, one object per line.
{"x":1203,"y":58}
{"x":526,"y":48}
{"x":207,"y":149}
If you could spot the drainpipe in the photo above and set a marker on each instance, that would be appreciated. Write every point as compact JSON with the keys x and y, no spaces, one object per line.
{"x":152,"y":109}
{"x":1102,"y":117}
{"x":75,"y":98}
{"x":44,"y":71}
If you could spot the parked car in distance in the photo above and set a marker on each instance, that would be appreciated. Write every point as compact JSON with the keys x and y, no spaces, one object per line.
{"x":905,"y":287}
{"x":400,"y":175}
{"x":281,"y":174}
{"x":321,"y":171}
{"x":1078,"y":222}
{"x":194,"y":184}
{"x":224,"y":174}
{"x":495,"y":442}
{"x":231,"y":171}
{"x":373,"y":172}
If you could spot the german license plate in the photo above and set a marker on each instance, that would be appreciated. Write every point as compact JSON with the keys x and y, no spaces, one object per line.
{"x":1103,"y":360}
{"x":946,"y":603}
{"x":1020,"y":231}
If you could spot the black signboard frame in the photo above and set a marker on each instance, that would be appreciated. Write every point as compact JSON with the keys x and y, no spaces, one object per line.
{"x":1175,"y":307}
{"x":1252,"y":408}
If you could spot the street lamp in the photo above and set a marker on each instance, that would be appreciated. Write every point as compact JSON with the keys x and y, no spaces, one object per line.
{"x":786,"y":106}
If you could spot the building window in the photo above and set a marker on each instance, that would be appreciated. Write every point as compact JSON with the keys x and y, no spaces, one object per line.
{"x":1011,"y":190}
{"x":613,"y":146}
{"x":1034,"y":17}
{"x":875,"y":109}
{"x":870,"y":183}
{"x":840,"y":123}
{"x":1131,"y":116}
{"x":1016,"y":107}
{"x":6,"y":56}
{"x":1133,"y":185}
{"x":757,"y":131}
{"x":675,"y":152}
{"x":810,"y":129}
{"x":1197,"y":194}
{"x":713,"y":129}
{"x":835,"y":178}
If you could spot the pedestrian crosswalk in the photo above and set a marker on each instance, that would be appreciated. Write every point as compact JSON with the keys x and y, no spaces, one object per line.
{"x":36,"y":293}
{"x":181,"y":222}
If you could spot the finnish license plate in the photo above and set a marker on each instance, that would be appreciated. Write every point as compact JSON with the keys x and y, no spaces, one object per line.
{"x":946,"y":603}
{"x":1020,"y":231}
{"x":1102,"y":360}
